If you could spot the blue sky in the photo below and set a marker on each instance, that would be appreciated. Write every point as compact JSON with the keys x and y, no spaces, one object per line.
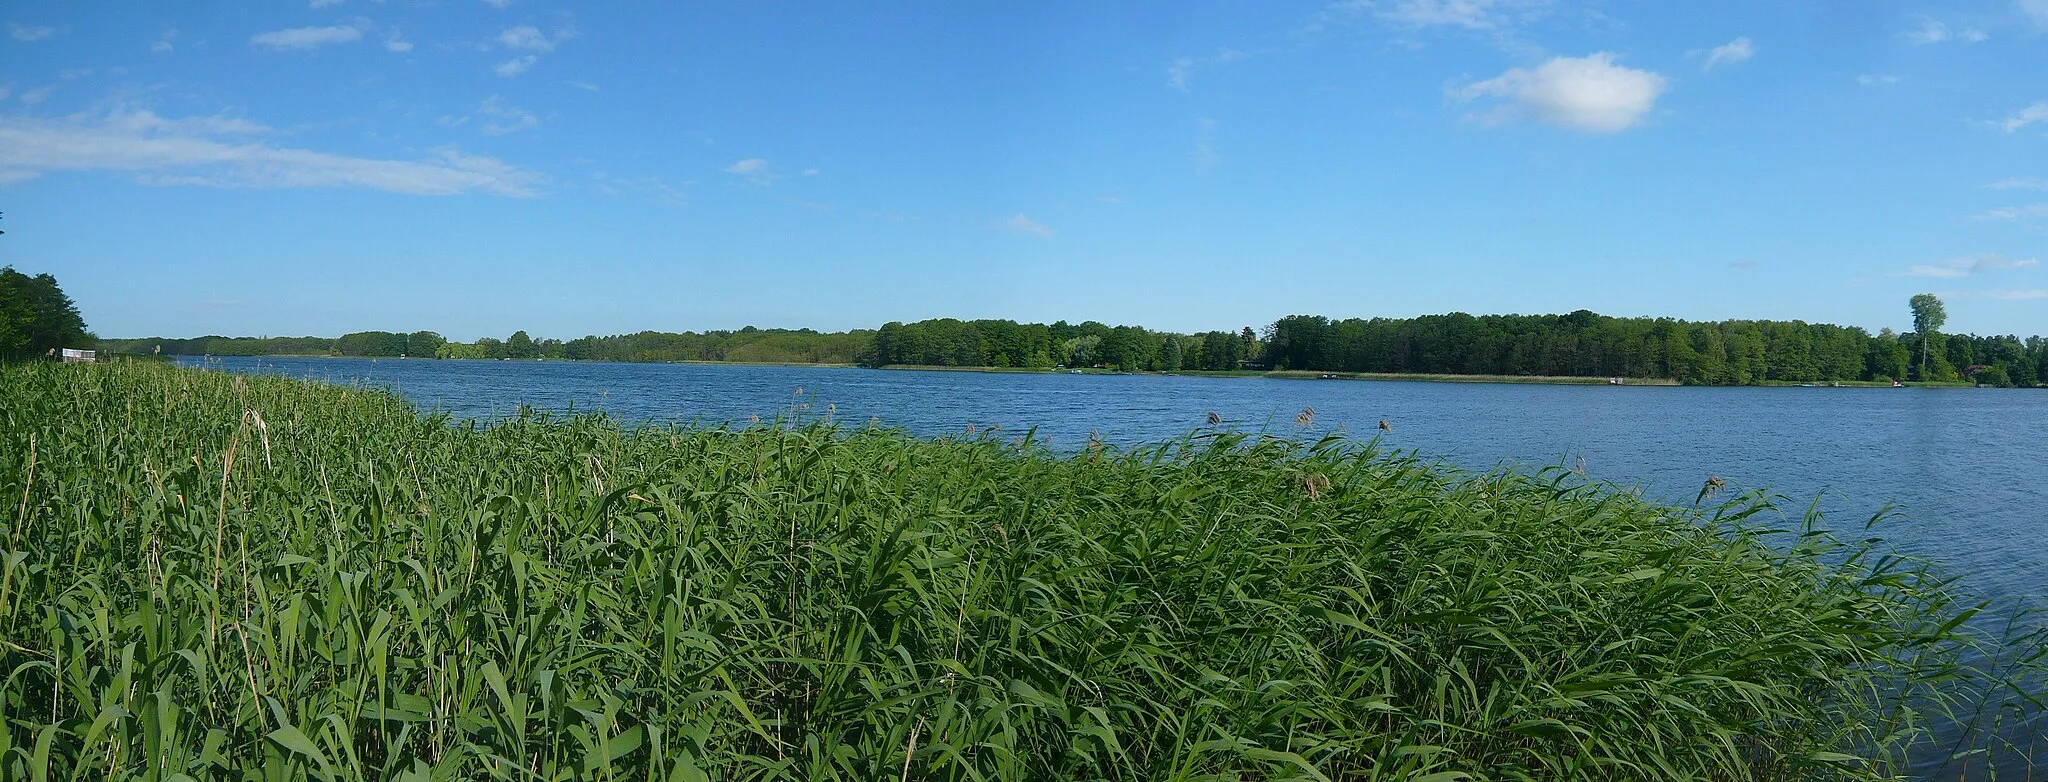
{"x":475,"y":166}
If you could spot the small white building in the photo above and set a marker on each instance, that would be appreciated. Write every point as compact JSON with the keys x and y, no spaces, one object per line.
{"x":75,"y":356}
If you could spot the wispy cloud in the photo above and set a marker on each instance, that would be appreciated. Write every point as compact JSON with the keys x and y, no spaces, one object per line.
{"x":1932,"y":31}
{"x":503,"y":118}
{"x":1179,"y":71}
{"x":1742,"y":264}
{"x":26,"y":34}
{"x":1964,"y":267}
{"x":2029,"y":212}
{"x":1877,"y":80}
{"x":1590,"y":94}
{"x":582,"y":85}
{"x":163,"y":44}
{"x":2016,"y":294}
{"x":499,"y":4}
{"x":1738,"y":50}
{"x":397,"y":43}
{"x":1205,"y":143}
{"x":37,"y":95}
{"x":2024,"y":117}
{"x":516,"y":66}
{"x":756,"y":170}
{"x":527,"y":38}
{"x":2020,"y":183}
{"x":1468,"y":14}
{"x":306,"y":37}
{"x":222,"y":151}
{"x":323,"y":3}
{"x":2035,"y":11}
{"x":1023,"y":224}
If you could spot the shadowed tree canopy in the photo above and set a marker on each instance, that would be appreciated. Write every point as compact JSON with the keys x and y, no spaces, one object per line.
{"x":36,"y":317}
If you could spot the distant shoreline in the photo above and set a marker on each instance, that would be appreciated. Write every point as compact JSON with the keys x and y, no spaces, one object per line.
{"x":1280,"y":374}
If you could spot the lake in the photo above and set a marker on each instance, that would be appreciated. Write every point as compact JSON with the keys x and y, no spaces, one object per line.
{"x":1966,"y":469}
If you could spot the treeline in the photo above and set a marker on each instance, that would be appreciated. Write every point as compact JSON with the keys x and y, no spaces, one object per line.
{"x":1584,"y":344}
{"x":749,"y":344}
{"x":1579,"y":344}
{"x":948,"y":342}
{"x":36,"y":317}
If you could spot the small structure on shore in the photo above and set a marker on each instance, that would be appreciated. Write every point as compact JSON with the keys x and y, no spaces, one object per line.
{"x":76,"y":356}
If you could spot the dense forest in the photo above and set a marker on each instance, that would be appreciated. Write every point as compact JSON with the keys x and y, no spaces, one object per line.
{"x":802,"y":346}
{"x":36,"y":317}
{"x":1583,"y":344}
{"x":1579,"y":344}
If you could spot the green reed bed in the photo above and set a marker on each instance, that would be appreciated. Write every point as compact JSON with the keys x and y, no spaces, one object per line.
{"x":210,"y":576}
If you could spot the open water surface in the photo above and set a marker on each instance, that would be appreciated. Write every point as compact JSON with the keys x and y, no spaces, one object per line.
{"x":1966,"y":470}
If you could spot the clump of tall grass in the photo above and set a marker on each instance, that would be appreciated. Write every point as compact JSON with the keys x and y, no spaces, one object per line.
{"x":217,"y":577}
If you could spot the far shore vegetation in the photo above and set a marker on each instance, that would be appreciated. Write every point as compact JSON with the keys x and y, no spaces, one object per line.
{"x":1576,"y":347}
{"x":36,"y":318}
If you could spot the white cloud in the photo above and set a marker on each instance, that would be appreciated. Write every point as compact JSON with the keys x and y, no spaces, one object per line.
{"x":2024,"y":294}
{"x":498,"y":4}
{"x":1590,"y":94}
{"x":37,"y":95}
{"x":1729,"y":53}
{"x":810,"y":172}
{"x":755,"y":169}
{"x":2028,"y":212}
{"x":2036,"y":10}
{"x":163,"y":45}
{"x":397,"y":43}
{"x":323,"y":3}
{"x":1877,"y":79}
{"x":216,"y":152}
{"x":582,"y":85}
{"x":1964,"y":267}
{"x":306,"y":37}
{"x":2024,"y":117}
{"x":1177,"y":73}
{"x":526,"y":38}
{"x":2020,"y":183}
{"x":1932,"y":31}
{"x":1205,"y":143}
{"x":1469,"y":14}
{"x":516,"y":65}
{"x":21,"y":33}
{"x":1023,"y":224}
{"x":506,"y":118}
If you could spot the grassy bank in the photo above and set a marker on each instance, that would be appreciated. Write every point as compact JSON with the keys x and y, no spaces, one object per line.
{"x":236,"y":577}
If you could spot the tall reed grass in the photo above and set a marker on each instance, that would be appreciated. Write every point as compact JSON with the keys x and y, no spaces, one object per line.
{"x":209,"y":576}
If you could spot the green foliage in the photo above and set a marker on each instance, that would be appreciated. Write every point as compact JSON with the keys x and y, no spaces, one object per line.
{"x":1585,"y":344}
{"x":424,"y":344}
{"x":1928,"y":317}
{"x":209,"y":576}
{"x":1579,"y":344}
{"x":36,"y":317}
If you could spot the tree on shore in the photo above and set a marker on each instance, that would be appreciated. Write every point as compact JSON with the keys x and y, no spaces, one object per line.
{"x":36,"y":317}
{"x":1928,"y":318}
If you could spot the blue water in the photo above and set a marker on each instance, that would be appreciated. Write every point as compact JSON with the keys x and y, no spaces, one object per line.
{"x":1966,"y":470}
